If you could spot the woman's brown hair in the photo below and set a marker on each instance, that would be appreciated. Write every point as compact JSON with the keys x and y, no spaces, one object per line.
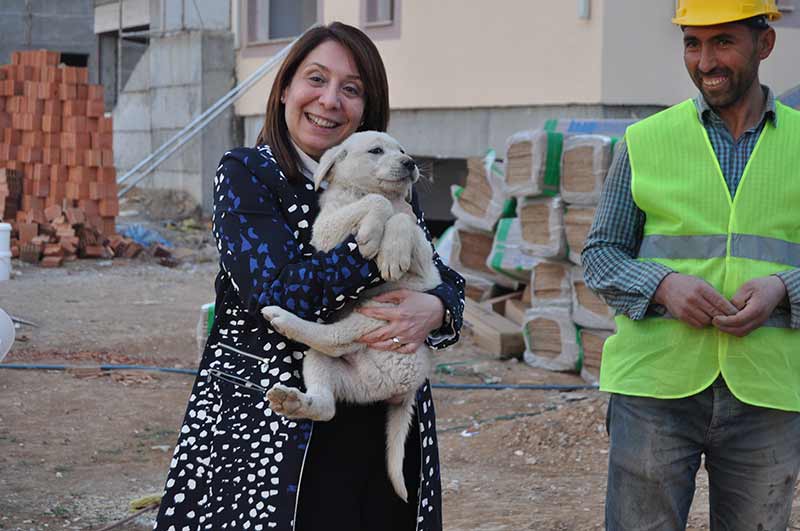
{"x":370,"y":69}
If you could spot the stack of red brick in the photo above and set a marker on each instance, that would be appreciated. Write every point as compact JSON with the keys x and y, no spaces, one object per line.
{"x":56,"y":147}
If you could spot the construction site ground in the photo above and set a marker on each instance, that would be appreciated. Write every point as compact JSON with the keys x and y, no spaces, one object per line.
{"x":77,"y":446}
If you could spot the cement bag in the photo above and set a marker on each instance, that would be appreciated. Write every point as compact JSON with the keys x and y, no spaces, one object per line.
{"x":577,"y":224}
{"x":551,"y":340}
{"x":481,"y":202}
{"x":584,"y":165}
{"x":550,"y":284}
{"x":588,"y":309}
{"x":533,"y":163}
{"x":542,"y":225}
{"x":471,"y":248}
{"x":591,"y":346}
{"x":507,"y":256}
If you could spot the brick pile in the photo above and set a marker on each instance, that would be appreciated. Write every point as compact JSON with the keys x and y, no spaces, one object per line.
{"x":58,"y":185}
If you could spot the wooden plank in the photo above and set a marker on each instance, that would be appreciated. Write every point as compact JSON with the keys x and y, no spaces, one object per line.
{"x":492,"y":332}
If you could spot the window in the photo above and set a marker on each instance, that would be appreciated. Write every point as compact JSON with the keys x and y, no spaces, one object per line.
{"x":269,"y":20}
{"x":379,"y":12}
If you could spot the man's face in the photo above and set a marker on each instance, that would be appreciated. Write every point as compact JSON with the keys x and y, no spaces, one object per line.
{"x":723,"y":60}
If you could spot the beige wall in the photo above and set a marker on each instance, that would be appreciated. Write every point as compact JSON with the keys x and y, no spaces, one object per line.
{"x":455,"y":54}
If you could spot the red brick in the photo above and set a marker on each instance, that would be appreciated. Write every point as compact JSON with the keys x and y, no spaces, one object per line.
{"x":107,"y":175}
{"x":52,"y":261}
{"x":23,"y":73}
{"x":74,"y":108}
{"x":89,"y":208}
{"x":12,"y":136}
{"x":102,"y":141}
{"x":75,"y":216}
{"x":26,"y":122}
{"x":82,"y":174}
{"x":48,"y":91}
{"x":16,"y":58}
{"x":76,"y":140}
{"x":40,"y":171}
{"x":96,"y":190}
{"x":14,"y":103}
{"x":51,"y":140}
{"x":93,"y":157}
{"x":67,"y":92}
{"x":29,"y":154}
{"x":32,"y":105}
{"x":74,"y":124}
{"x":7,"y":152}
{"x":51,"y":123}
{"x":105,"y":125}
{"x":109,"y":207}
{"x":51,"y":213}
{"x":2,"y":103}
{"x":27,"y":231}
{"x":40,"y":58}
{"x":82,"y":92}
{"x":51,"y":156}
{"x":10,"y":87}
{"x":95,"y":108}
{"x":108,"y":226}
{"x":59,"y":173}
{"x":108,"y":157}
{"x":50,"y":74}
{"x":41,"y":187}
{"x":5,"y":120}
{"x":96,"y":92}
{"x":72,"y":157}
{"x":52,"y":107}
{"x":76,"y":74}
{"x":76,"y":190}
{"x":32,"y":138}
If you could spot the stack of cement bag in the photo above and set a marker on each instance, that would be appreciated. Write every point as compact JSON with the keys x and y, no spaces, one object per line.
{"x":556,"y":176}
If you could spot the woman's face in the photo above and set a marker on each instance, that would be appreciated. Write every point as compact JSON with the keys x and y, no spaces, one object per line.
{"x":324,"y":102}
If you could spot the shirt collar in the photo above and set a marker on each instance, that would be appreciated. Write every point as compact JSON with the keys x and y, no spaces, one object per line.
{"x":308,"y":166}
{"x":706,"y":113}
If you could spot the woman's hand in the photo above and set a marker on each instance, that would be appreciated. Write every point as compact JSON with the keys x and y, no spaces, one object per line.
{"x":415,"y":315}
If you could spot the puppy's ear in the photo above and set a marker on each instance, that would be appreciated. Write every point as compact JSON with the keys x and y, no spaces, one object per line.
{"x":326,"y":163}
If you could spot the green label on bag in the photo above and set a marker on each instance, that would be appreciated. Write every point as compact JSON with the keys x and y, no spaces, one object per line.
{"x":498,"y":252}
{"x":552,"y":169}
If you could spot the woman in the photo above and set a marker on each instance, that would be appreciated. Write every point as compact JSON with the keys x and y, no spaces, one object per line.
{"x":238,"y":465}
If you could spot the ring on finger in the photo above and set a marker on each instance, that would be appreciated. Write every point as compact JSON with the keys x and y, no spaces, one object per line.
{"x":396,"y":341}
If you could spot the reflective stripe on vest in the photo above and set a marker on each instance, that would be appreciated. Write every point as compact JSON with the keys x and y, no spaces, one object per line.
{"x":749,"y":246}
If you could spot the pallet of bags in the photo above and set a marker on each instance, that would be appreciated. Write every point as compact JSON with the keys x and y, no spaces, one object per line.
{"x":482,"y":200}
{"x":551,"y":340}
{"x":591,"y":126}
{"x":532,"y":163}
{"x":541,"y":222}
{"x":588,"y":309}
{"x":585,"y":160}
{"x":470,"y":250}
{"x":591,"y":350}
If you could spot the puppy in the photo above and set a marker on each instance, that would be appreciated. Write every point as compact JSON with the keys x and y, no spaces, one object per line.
{"x":369,"y":180}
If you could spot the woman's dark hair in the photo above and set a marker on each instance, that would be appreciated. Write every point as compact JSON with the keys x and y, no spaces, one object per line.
{"x":370,"y":69}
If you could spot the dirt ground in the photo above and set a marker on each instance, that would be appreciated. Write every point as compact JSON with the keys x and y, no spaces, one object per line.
{"x":77,"y":446}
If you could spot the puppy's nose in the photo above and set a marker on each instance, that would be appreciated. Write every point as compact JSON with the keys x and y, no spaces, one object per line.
{"x":409,"y":164}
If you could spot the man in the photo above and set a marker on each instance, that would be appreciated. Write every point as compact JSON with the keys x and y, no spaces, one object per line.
{"x":696,"y":244}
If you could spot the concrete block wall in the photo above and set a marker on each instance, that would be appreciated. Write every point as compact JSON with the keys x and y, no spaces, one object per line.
{"x":62,"y":25}
{"x":181,"y":75}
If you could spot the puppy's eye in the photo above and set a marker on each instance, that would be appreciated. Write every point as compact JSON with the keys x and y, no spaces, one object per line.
{"x":376,"y":151}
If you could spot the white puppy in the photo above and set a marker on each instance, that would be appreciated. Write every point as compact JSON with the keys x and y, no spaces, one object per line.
{"x":369,"y":184}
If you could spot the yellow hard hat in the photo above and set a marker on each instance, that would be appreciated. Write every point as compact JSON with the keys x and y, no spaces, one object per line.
{"x":711,"y":12}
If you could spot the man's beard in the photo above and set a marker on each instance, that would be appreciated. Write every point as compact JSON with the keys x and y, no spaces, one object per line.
{"x":738,"y":84}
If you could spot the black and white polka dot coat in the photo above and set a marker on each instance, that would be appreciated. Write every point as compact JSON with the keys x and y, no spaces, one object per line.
{"x":238,"y":465}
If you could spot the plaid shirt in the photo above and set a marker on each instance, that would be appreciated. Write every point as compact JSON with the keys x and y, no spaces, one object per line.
{"x":612,"y":245}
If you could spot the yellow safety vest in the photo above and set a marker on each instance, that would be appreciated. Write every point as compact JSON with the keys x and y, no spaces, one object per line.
{"x":694,"y":227}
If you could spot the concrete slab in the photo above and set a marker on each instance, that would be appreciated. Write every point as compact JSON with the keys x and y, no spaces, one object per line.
{"x":130,"y":148}
{"x":132,"y":112}
{"x":174,"y":107}
{"x":175,"y":60}
{"x":188,"y":159}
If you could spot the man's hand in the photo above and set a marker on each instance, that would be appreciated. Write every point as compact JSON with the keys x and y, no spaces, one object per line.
{"x":415,"y":315}
{"x":756,"y":300}
{"x":692,"y":300}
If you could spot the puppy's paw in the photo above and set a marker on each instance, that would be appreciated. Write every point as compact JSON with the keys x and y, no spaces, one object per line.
{"x":278,"y":317}
{"x":286,"y":401}
{"x":369,"y":236}
{"x":394,"y":257}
